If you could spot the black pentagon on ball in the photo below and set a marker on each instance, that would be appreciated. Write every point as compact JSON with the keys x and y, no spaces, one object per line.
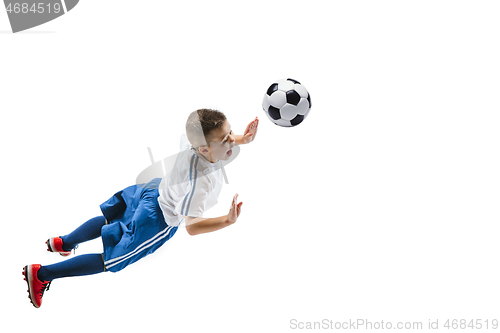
{"x":292,"y":97}
{"x":297,"y":120}
{"x":294,"y":81}
{"x":272,"y":89}
{"x":309,"y":99}
{"x":274,"y":113}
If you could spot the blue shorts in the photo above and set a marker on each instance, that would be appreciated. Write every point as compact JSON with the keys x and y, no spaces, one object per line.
{"x":135,"y":225}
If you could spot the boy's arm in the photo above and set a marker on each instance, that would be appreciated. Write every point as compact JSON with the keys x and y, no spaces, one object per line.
{"x":249,"y":134}
{"x":200,"y":225}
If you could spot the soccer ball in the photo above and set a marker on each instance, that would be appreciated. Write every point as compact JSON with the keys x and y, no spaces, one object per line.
{"x":287,"y":102}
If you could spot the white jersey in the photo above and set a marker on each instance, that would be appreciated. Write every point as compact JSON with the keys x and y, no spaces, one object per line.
{"x":190,"y":188}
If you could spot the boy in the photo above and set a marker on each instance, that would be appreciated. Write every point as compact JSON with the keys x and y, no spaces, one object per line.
{"x":139,"y":219}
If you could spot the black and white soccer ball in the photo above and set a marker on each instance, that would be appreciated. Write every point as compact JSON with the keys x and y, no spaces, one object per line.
{"x":287,"y":102}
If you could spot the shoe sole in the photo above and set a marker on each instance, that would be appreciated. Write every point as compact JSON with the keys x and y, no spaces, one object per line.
{"x":28,"y":276}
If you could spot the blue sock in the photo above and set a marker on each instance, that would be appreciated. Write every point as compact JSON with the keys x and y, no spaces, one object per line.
{"x":87,"y":231}
{"x":85,"y":264}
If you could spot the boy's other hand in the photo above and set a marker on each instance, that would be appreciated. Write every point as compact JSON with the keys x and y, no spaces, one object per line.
{"x":251,"y":131}
{"x":235,"y":210}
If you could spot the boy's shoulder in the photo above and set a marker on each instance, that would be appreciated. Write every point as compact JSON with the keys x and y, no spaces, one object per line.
{"x":183,"y":164}
{"x":189,"y":166}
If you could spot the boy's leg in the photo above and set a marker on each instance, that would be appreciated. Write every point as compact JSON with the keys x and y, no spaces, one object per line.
{"x":85,"y":264}
{"x":39,"y":277}
{"x":87,"y":231}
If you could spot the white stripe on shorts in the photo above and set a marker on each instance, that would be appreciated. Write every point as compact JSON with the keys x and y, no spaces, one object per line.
{"x":150,"y":242}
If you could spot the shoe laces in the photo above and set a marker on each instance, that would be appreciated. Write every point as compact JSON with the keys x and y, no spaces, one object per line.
{"x":45,"y":287}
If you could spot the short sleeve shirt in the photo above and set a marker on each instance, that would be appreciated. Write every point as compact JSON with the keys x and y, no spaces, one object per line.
{"x":190,"y":188}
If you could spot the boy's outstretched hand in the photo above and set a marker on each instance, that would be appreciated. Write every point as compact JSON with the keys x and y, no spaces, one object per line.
{"x":250,"y":132}
{"x":200,"y":225}
{"x":235,"y":210}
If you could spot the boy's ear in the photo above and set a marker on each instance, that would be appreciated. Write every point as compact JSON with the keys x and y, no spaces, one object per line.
{"x":203,"y":149}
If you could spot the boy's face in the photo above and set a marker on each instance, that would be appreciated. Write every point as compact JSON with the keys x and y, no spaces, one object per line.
{"x":222,"y":142}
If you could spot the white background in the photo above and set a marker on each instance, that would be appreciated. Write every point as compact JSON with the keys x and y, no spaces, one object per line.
{"x":382,"y":205}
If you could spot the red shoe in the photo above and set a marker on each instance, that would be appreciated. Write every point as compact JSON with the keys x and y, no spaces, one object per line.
{"x":36,"y":288}
{"x":55,"y":244}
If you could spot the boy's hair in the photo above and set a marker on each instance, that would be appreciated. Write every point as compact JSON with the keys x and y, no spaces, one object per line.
{"x":200,"y":125}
